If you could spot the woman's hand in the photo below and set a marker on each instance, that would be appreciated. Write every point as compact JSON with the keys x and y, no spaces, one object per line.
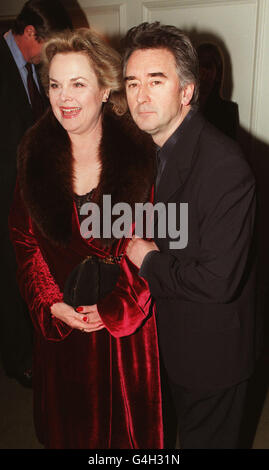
{"x":87,"y":320}
{"x":91,"y":318}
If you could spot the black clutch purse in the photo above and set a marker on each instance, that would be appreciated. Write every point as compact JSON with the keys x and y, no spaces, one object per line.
{"x":91,"y":280}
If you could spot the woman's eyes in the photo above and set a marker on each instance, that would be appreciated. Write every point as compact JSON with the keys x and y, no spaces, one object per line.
{"x":54,"y":86}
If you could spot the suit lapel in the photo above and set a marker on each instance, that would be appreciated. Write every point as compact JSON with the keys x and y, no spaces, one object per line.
{"x":24,"y":107}
{"x":180,"y":160}
{"x":16,"y":81}
{"x":41,"y":89}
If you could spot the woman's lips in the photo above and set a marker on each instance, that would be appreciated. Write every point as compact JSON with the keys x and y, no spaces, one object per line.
{"x":69,"y":113}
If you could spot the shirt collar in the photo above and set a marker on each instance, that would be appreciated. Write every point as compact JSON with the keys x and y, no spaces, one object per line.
{"x":15,"y":50}
{"x":164,"y":151}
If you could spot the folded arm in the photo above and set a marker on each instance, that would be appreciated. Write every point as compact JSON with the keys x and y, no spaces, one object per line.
{"x":226,"y":208}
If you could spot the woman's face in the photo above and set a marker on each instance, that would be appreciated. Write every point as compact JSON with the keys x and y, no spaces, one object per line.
{"x":75,"y":95}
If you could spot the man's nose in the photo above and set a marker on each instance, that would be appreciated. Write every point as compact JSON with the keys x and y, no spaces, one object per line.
{"x":143,"y":94}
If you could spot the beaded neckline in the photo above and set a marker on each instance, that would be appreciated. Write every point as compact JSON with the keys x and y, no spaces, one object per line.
{"x":82,"y":199}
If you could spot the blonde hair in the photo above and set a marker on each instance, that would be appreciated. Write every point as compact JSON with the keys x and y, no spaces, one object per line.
{"x":105,"y":61}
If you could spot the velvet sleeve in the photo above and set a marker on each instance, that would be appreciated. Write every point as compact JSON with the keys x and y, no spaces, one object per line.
{"x":126,"y":308}
{"x":36,"y":283}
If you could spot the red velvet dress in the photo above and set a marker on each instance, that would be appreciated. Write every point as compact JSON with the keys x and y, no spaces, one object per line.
{"x":97,"y":390}
{"x":91,"y":390}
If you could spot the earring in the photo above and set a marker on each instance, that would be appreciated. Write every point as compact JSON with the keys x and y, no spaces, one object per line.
{"x":106,"y":96}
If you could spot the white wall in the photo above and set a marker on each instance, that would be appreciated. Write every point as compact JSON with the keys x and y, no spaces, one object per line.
{"x":241,"y":26}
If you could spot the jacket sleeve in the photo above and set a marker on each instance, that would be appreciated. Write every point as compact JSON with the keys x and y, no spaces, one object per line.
{"x":226,"y":205}
{"x":36,"y":283}
{"x":127,"y":307}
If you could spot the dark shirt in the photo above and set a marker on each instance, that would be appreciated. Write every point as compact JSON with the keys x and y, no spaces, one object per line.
{"x":163,"y":153}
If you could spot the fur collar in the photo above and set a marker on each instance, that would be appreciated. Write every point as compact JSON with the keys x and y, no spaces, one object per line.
{"x":45,"y":171}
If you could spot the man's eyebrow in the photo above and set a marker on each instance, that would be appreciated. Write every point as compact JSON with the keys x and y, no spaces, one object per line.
{"x":151,"y":74}
{"x":157,"y":74}
{"x":129,"y":77}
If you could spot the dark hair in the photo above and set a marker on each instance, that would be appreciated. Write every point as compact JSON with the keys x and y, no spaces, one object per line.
{"x":105,"y":61}
{"x":158,"y":36}
{"x":46,"y":16}
{"x":212,"y":54}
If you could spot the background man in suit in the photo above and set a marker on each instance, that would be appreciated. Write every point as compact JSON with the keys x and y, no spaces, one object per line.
{"x":204,"y":293}
{"x":22,"y":103}
{"x":224,"y":114}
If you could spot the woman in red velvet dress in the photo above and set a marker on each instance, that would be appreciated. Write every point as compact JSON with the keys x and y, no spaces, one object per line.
{"x":96,"y":372}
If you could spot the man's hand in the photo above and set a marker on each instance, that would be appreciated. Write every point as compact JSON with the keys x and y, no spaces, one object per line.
{"x":138,"y":248}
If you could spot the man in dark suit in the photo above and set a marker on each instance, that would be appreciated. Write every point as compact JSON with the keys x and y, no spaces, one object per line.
{"x":22,"y":102}
{"x":203,"y":284}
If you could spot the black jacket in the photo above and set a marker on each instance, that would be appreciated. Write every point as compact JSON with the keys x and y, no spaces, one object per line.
{"x":15,"y":118}
{"x":205,"y":293}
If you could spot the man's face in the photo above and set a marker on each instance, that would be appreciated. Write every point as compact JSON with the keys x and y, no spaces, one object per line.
{"x":156,"y":100}
{"x":29,"y":45}
{"x":35,"y":47}
{"x":208,"y":73}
